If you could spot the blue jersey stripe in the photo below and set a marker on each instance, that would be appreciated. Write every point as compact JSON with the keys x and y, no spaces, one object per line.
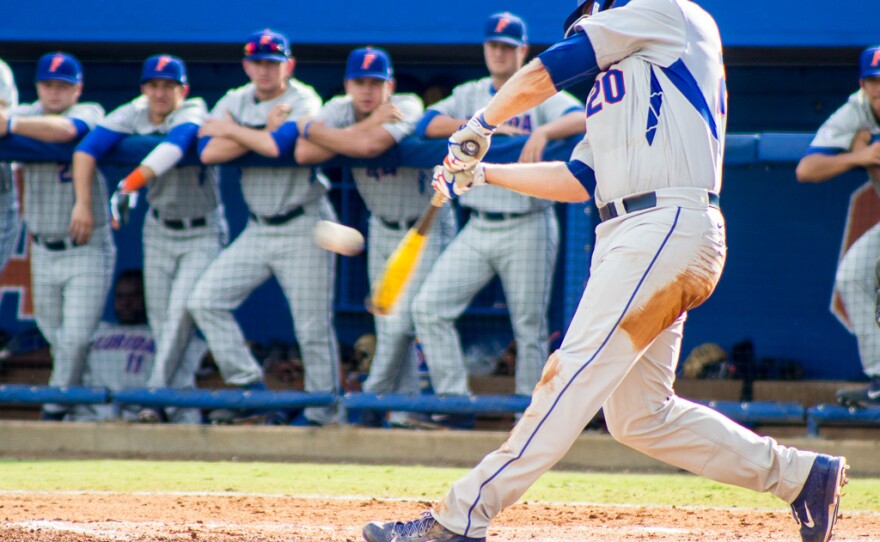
{"x":579,"y":371}
{"x":684,"y":81}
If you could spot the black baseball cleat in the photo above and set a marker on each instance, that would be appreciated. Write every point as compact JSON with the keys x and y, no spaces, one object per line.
{"x":866,"y":397}
{"x":815,"y":509}
{"x":423,"y":529}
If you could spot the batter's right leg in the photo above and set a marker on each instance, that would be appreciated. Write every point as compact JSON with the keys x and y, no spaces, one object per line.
{"x":222,"y":288}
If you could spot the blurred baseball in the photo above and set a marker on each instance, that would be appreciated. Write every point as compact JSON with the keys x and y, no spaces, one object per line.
{"x":338,"y":238}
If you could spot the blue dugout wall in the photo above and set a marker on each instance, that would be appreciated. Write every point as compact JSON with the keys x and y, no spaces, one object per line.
{"x":786,"y":74}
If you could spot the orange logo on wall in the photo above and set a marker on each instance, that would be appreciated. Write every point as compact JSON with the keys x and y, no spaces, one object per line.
{"x":15,"y":281}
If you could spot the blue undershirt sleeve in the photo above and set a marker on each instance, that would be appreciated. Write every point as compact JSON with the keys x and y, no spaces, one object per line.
{"x":583,"y":173}
{"x":570,"y":61}
{"x":285,"y":138}
{"x":183,"y":135}
{"x":99,"y":141}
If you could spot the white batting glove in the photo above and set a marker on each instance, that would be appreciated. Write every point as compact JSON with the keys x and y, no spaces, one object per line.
{"x":469,"y":144}
{"x":455,"y":183}
{"x":121,"y":203}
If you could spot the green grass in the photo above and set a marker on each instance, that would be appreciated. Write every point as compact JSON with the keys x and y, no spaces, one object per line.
{"x":862,"y":494}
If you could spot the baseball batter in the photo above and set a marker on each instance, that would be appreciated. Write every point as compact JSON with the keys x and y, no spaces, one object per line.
{"x":829,"y":155}
{"x":184,"y":228}
{"x":652,"y":158}
{"x":511,"y":235}
{"x":122,"y":353}
{"x":71,"y":274}
{"x":10,"y":223}
{"x":367,"y":121}
{"x":284,"y":203}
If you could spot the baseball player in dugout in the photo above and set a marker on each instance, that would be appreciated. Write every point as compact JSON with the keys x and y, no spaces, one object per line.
{"x":72,"y":252}
{"x":652,"y":159}
{"x":284,"y":204}
{"x":184,"y":228}
{"x":10,"y":222}
{"x":512,"y":235}
{"x":367,"y":121}
{"x":122,"y":354}
{"x":830,"y":154}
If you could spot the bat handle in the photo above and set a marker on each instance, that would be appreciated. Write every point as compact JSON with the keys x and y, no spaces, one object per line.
{"x":438,"y":199}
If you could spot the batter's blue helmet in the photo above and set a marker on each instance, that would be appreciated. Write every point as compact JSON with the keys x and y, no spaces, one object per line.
{"x":598,"y":5}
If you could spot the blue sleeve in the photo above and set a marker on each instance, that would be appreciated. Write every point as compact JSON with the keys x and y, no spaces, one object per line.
{"x":423,"y":123}
{"x":203,"y":142}
{"x":571,"y":61}
{"x":183,"y":135}
{"x":285,"y":137}
{"x":583,"y":173}
{"x":81,"y":127}
{"x":99,"y":141}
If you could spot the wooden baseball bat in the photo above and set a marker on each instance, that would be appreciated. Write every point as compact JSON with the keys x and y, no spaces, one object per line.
{"x":403,"y":261}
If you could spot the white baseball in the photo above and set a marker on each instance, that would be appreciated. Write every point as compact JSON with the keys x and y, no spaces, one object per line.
{"x":338,"y":238}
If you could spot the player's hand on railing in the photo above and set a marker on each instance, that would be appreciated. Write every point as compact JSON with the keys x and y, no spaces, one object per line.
{"x":469,"y":144}
{"x":455,"y":183}
{"x":121,"y":203}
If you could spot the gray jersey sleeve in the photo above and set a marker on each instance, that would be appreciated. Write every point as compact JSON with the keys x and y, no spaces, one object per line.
{"x":8,"y":90}
{"x":123,"y":119}
{"x":838,"y":131}
{"x":337,"y":113}
{"x":89,"y":113}
{"x":192,"y":111}
{"x":462,"y":103}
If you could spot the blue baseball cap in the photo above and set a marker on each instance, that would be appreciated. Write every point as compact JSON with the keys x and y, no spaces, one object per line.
{"x":369,"y":62}
{"x":506,"y":28}
{"x":869,"y":62}
{"x":59,"y":67}
{"x":267,"y":45}
{"x":164,"y":67}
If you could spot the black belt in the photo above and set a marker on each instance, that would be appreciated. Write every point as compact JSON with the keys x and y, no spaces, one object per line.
{"x":398,"y":225}
{"x":642,"y":202}
{"x":180,"y":223}
{"x":496,"y":217}
{"x":55,"y":245}
{"x":277,"y":220}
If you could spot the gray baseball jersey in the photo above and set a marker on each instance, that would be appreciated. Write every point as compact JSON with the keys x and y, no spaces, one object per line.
{"x":48,"y":186}
{"x":395,"y":197}
{"x":855,"y":280}
{"x":651,"y":264}
{"x":464,"y":101}
{"x":121,"y":357}
{"x":287,"y":203}
{"x":273,"y":191}
{"x":10,"y":223}
{"x":70,"y":283}
{"x":518,"y":240}
{"x":183,"y":233}
{"x":182,"y":192}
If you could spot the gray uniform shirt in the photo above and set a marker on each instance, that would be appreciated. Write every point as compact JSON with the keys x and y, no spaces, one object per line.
{"x":49,"y":194}
{"x":395,"y":194}
{"x":465,"y":100}
{"x":181,"y":192}
{"x":838,"y":131}
{"x":274,"y":190}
